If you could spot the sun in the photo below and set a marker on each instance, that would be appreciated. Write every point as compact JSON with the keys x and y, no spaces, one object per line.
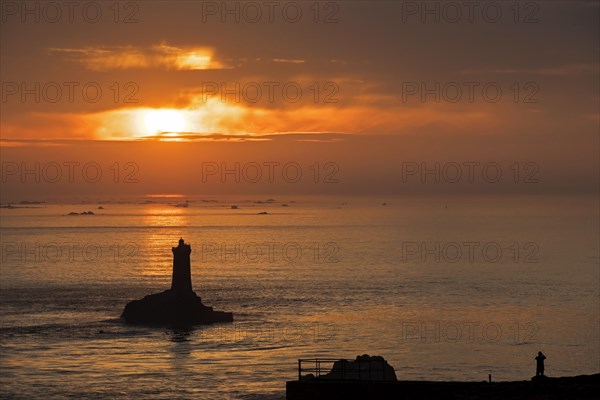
{"x":164,"y":120}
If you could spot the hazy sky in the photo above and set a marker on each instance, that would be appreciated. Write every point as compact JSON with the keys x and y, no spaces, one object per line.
{"x":371,"y":86}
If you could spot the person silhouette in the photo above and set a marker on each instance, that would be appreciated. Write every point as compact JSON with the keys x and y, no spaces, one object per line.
{"x":539,"y":370}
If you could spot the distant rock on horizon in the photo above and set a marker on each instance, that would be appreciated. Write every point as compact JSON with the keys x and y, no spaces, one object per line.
{"x":82,"y":213}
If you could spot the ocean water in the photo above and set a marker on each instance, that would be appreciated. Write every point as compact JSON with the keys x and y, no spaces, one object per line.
{"x":444,"y":288}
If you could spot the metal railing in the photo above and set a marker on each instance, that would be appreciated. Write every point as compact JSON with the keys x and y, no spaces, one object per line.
{"x":323,"y":369}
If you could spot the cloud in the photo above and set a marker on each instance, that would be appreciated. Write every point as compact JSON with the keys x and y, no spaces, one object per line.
{"x":104,"y":58}
{"x":215,"y":120}
{"x":562,"y":70}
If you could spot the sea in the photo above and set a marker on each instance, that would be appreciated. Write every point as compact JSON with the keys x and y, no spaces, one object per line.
{"x":445,"y":288}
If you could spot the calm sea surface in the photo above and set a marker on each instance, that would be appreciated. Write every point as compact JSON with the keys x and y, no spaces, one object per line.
{"x":444,"y":288}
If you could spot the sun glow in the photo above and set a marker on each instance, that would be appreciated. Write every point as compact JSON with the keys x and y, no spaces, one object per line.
{"x":198,"y":118}
{"x":164,"y":120}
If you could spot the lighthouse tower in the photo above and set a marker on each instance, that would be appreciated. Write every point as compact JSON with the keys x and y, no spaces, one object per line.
{"x":182,"y":277}
{"x":178,"y":306}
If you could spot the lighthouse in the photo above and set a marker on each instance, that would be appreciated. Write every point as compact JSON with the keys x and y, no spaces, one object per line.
{"x":178,"y":306}
{"x":182,"y":276}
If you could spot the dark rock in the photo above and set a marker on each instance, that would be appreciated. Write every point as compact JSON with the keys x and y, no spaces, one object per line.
{"x":364,"y":367}
{"x":172,"y":308}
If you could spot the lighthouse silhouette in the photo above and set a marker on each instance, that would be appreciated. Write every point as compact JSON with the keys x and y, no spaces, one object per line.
{"x":182,"y":276}
{"x":178,"y":306}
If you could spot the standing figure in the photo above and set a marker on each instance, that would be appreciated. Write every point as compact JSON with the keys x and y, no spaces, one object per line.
{"x":539,"y":370}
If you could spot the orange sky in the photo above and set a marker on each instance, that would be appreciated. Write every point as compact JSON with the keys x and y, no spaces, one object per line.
{"x":189,"y":72}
